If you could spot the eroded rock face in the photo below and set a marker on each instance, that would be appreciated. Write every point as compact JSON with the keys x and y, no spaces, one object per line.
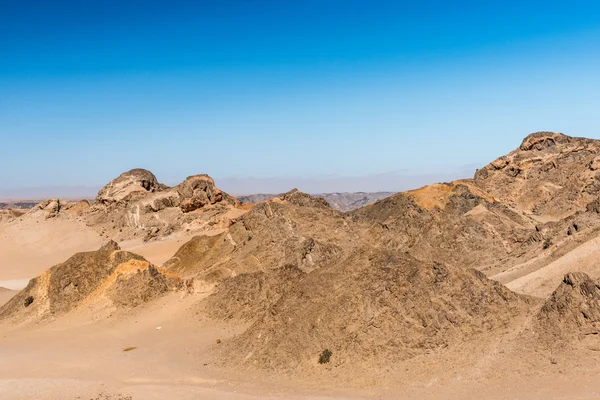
{"x":198,"y":191}
{"x":550,"y":176}
{"x":573,"y":308}
{"x":135,"y":205}
{"x":373,"y":306}
{"x":543,"y":140}
{"x":137,"y":181}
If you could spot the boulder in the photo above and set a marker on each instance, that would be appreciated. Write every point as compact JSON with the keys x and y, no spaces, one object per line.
{"x":129,"y":184}
{"x":198,"y":191}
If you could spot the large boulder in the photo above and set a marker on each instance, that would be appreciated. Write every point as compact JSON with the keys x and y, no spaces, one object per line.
{"x":129,"y":184}
{"x":198,"y":191}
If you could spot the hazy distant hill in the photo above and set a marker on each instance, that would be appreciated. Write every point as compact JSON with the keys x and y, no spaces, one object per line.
{"x":338,"y":201}
{"x":24,"y":204}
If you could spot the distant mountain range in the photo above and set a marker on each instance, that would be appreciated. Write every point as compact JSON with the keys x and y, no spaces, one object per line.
{"x":338,"y":201}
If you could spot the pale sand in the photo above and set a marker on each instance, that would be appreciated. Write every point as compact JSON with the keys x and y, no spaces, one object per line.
{"x":29,"y":245}
{"x":6,"y":294}
{"x":157,"y":252}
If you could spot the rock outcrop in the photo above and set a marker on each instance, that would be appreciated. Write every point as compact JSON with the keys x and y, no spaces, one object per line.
{"x":572,"y":310}
{"x":127,"y":186}
{"x":104,"y":278}
{"x":295,"y":229}
{"x":136,"y":205}
{"x":198,"y":191}
{"x":550,"y":176}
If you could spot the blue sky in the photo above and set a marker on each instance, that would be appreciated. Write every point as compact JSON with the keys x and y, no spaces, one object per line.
{"x":353,"y":94}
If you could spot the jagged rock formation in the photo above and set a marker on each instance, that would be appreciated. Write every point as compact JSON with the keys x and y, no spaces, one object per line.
{"x":573,"y":309}
{"x":136,"y":205}
{"x":454,"y":222}
{"x":385,"y":258}
{"x":550,"y":176}
{"x":384,"y":283}
{"x":127,"y":186}
{"x":109,"y":275}
{"x":310,"y":278}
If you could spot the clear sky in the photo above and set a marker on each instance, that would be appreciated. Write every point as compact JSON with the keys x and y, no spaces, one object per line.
{"x":369,"y":95}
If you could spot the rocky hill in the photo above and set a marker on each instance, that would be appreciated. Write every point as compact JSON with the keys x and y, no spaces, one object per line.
{"x":18,"y":204}
{"x":549,"y":177}
{"x":136,"y":205}
{"x":370,"y":306}
{"x":108,"y":277}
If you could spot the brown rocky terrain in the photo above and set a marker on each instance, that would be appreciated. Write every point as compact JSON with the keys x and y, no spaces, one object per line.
{"x":136,"y":206}
{"x":397,"y":293}
{"x":550,"y":176}
{"x":572,"y":310}
{"x":372,"y":307}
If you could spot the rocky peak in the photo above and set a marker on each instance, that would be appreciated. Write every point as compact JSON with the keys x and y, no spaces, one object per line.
{"x":543,"y":140}
{"x":550,"y":176}
{"x":136,"y":181}
{"x":299,"y":198}
{"x":198,"y":191}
